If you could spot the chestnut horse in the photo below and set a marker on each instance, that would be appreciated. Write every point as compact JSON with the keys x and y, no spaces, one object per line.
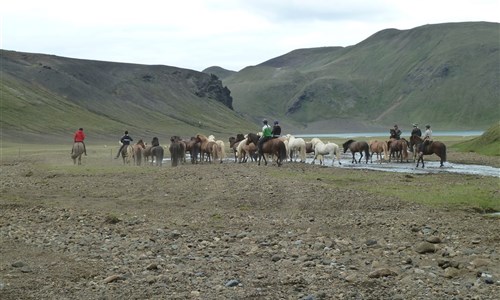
{"x":398,"y":147}
{"x":273,"y":146}
{"x":193,"y":147}
{"x":433,"y":147}
{"x":360,"y":147}
{"x":211,"y":149}
{"x":138,"y":152}
{"x":378,"y":147}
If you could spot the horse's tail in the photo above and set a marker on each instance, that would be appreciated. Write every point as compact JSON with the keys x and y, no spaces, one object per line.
{"x":303,"y":153}
{"x":282,"y":151}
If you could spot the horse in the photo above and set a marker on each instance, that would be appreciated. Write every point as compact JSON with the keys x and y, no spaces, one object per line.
{"x":76,"y":152}
{"x":157,"y":154}
{"x":211,"y":149}
{"x":221,"y":145}
{"x":177,"y":150}
{"x":399,"y":147}
{"x":378,"y":147}
{"x":138,"y":152}
{"x":128,"y":155}
{"x":296,"y":144}
{"x":322,"y":149}
{"x":360,"y":147}
{"x":246,"y":149}
{"x":147,"y":153}
{"x":233,"y":144}
{"x":273,"y":146}
{"x":434,"y":147}
{"x":193,"y":147}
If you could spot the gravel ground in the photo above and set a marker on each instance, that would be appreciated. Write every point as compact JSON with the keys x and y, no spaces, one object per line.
{"x":232,"y":231}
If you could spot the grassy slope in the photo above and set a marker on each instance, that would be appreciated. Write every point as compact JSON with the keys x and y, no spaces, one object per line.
{"x":443,"y":74}
{"x":46,"y":96}
{"x":487,"y":144}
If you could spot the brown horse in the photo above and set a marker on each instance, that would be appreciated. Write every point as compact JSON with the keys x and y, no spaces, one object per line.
{"x":360,"y":147}
{"x":379,"y":148}
{"x":399,"y":148}
{"x":273,"y":146}
{"x":138,"y":152}
{"x":211,"y":149}
{"x":433,"y":147}
{"x":193,"y":147}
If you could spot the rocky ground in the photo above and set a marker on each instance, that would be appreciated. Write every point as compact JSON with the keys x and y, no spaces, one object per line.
{"x":231,"y":231}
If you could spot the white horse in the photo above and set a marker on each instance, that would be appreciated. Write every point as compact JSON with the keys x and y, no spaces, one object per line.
{"x":211,"y":138}
{"x":243,"y":150}
{"x":296,"y":145}
{"x":323,"y":149}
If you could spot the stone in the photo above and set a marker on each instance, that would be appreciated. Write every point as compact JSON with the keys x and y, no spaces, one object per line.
{"x":425,"y":247}
{"x":383,"y":272}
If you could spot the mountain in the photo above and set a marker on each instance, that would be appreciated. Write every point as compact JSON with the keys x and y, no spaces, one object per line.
{"x":46,"y":95}
{"x":221,"y":73}
{"x":444,"y":74}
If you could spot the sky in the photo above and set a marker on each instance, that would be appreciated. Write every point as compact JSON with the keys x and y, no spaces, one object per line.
{"x":196,"y":34}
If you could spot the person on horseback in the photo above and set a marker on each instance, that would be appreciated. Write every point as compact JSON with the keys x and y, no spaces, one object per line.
{"x":395,"y":133}
{"x":125,"y":140}
{"x":78,"y":137}
{"x":266,"y":135}
{"x":276,"y":129}
{"x":427,"y":137}
{"x":415,"y":132}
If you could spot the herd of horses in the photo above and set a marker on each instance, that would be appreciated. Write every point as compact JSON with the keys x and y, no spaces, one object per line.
{"x":203,"y":149}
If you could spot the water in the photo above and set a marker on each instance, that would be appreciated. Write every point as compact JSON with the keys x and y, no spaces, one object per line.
{"x":410,"y":168}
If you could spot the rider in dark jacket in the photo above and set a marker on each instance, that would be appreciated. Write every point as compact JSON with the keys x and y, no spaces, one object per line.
{"x":125,"y":140}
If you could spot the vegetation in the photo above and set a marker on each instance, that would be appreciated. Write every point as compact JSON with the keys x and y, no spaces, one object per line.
{"x":444,"y":74}
{"x":449,"y":191}
{"x":487,"y":144}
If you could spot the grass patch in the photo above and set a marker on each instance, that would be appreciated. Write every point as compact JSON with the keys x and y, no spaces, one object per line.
{"x":452,"y":191}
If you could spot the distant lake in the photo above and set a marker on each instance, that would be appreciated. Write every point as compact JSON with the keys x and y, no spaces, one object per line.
{"x":374,"y":134}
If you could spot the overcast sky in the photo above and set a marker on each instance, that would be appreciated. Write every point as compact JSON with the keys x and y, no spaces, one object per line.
{"x":196,"y":34}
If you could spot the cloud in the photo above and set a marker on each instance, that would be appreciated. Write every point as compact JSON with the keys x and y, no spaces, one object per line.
{"x":200,"y":33}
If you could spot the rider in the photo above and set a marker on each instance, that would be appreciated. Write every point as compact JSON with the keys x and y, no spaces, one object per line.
{"x":78,"y":137}
{"x":396,"y":133}
{"x":266,"y":135}
{"x":427,"y":137}
{"x":276,"y":129}
{"x":415,"y":132}
{"x":125,"y":140}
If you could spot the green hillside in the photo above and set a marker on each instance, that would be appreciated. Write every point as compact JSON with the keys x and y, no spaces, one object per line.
{"x":487,"y":144}
{"x":45,"y":95}
{"x":444,"y":74}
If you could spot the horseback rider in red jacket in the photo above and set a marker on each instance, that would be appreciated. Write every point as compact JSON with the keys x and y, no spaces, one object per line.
{"x":78,"y":137}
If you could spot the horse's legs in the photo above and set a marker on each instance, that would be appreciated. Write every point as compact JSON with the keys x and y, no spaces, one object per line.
{"x":360,"y":157}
